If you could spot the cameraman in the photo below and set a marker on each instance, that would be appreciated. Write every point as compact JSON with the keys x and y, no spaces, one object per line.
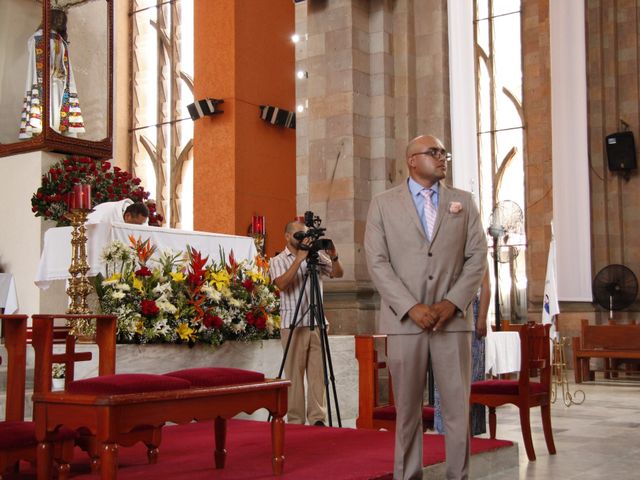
{"x":287,"y":270}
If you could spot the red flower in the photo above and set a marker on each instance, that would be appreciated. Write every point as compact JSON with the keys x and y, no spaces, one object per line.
{"x":261,"y":322}
{"x":49,"y":199}
{"x":149,"y":308}
{"x":143,"y":272}
{"x":212,"y":321}
{"x":258,"y":319}
{"x":248,"y":285}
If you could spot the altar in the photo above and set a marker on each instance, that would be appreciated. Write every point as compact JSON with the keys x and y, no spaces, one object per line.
{"x":56,"y":252}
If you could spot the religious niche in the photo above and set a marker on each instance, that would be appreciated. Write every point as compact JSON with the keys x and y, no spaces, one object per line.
{"x":68,"y":110}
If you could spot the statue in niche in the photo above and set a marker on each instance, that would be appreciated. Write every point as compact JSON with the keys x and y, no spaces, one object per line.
{"x":64,"y":106}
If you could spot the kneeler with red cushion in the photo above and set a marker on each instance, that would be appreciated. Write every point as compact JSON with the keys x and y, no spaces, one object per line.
{"x":117,"y":385}
{"x":142,"y":383}
{"x":111,"y":407}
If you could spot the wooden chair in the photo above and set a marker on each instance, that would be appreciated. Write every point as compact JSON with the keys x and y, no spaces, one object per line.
{"x":524,"y":393}
{"x":372,"y":412}
{"x":17,"y":437}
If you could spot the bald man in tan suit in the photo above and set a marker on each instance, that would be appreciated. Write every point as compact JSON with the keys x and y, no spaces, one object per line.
{"x":427,"y":262}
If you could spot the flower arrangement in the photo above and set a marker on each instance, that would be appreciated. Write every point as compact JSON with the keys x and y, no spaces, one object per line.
{"x":107,"y":184}
{"x":185,"y":298}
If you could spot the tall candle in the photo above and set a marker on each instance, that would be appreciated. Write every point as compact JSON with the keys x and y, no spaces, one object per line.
{"x":257,"y":224}
{"x":86,"y":197}
{"x":76,"y":197}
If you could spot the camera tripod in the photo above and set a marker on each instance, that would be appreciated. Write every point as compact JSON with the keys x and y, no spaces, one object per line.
{"x":316,"y":320}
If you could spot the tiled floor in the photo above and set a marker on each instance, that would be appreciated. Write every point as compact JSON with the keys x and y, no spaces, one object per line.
{"x":599,"y":439}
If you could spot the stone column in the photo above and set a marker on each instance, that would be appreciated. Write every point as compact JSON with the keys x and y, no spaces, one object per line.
{"x":536,"y":85}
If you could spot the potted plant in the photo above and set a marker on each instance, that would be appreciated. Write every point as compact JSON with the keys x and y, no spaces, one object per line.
{"x":57,"y":373}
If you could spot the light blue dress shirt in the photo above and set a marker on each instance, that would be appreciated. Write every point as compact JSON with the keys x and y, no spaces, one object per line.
{"x":418,"y":200}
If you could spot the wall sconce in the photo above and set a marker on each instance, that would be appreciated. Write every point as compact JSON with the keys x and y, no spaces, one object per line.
{"x":258,"y":231}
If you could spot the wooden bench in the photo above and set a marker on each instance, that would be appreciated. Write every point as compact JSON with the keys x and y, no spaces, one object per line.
{"x":603,"y":341}
{"x":108,"y":417}
{"x":122,"y":419}
{"x":374,"y":412}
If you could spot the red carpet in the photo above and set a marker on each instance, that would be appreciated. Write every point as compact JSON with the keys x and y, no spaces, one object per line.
{"x":311,"y":453}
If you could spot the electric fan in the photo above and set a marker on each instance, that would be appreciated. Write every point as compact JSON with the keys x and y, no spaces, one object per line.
{"x":615,"y":287}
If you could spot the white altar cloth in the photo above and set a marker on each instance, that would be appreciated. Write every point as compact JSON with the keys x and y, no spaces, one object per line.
{"x":8,"y":294}
{"x":502,"y":353}
{"x":56,"y":253}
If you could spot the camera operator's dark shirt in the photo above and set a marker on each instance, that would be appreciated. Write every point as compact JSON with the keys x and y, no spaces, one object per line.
{"x":277,"y":267}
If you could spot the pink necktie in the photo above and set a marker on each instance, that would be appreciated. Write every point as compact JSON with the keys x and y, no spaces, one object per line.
{"x":430,"y":212}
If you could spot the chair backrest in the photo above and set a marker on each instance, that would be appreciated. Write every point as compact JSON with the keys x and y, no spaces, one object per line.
{"x":61,"y":334}
{"x":15,"y":341}
{"x":43,"y":340}
{"x":369,"y":377}
{"x":535,"y":354}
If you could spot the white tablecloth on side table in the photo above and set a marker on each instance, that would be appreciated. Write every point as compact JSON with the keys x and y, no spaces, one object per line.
{"x":8,"y":293}
{"x":56,"y":253}
{"x":502,"y":353}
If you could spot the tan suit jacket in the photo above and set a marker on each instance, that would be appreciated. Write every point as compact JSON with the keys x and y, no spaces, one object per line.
{"x":408,"y":269}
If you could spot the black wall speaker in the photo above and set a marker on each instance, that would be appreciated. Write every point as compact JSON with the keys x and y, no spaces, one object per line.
{"x":277,"y":116}
{"x":621,"y":151}
{"x":207,"y":106}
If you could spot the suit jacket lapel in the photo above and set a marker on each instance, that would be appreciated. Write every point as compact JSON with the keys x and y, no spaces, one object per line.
{"x":409,"y":206}
{"x":443,"y":208}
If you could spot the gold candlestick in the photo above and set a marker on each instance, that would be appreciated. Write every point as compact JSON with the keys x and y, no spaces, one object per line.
{"x":259,"y":240}
{"x":560,"y":376}
{"x":79,"y":287}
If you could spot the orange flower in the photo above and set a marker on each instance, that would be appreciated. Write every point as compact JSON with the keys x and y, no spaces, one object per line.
{"x":144,"y":250}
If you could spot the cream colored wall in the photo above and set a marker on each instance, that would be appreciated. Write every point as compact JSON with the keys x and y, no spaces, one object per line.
{"x":21,"y":238}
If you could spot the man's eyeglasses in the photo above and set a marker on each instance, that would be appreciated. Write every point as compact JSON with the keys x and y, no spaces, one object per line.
{"x":435,"y":153}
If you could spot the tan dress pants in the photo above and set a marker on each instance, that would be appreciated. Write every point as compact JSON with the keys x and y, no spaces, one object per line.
{"x":305,"y":356}
{"x":408,"y":360}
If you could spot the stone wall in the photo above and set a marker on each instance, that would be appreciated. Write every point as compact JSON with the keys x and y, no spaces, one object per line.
{"x":613,"y":61}
{"x":377,"y":77}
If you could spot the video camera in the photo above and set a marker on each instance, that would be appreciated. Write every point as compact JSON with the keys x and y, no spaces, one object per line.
{"x":314,"y":232}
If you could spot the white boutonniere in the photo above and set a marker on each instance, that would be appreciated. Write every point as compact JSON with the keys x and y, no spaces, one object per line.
{"x":455,"y":207}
